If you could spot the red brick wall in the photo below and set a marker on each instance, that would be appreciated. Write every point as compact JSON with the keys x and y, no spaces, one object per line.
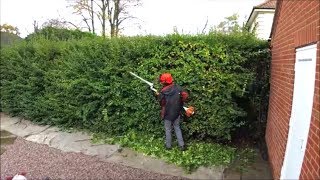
{"x":311,"y":164}
{"x":297,"y":24}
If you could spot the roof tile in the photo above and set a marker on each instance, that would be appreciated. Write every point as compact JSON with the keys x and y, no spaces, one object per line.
{"x":268,"y":4}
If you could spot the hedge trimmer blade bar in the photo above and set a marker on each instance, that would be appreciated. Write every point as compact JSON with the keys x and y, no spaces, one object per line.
{"x":149,"y":83}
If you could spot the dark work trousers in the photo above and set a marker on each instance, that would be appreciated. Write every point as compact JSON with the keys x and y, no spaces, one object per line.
{"x":176,"y":125}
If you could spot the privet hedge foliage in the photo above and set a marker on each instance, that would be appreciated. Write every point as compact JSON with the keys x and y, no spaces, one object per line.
{"x":85,"y":83}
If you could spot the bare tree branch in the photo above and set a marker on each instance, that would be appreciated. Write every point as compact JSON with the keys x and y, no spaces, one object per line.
{"x":98,"y":4}
{"x":85,"y":10}
{"x":69,"y":22}
{"x":111,"y":12}
{"x":205,"y":26}
{"x":86,"y":21}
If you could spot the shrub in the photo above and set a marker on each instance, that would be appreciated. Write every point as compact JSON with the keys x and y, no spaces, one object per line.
{"x":59,"y":34}
{"x":198,"y":153}
{"x":85,"y":83}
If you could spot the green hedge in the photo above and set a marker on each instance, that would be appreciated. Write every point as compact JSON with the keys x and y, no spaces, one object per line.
{"x":85,"y":83}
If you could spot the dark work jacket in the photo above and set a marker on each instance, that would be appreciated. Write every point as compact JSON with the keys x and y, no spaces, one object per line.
{"x":171,"y":99}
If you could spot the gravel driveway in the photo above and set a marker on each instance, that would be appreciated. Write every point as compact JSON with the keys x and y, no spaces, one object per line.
{"x":42,"y":162}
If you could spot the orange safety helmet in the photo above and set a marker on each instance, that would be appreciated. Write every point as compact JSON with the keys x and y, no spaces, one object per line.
{"x":166,"y":78}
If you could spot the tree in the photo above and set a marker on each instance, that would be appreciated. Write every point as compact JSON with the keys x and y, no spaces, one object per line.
{"x":85,"y":10}
{"x":229,"y":25}
{"x":9,"y":29}
{"x":102,"y":16}
{"x":92,"y":17}
{"x":112,"y":12}
{"x":35,"y":26}
{"x":59,"y":23}
{"x":118,"y":12}
{"x":61,"y":34}
{"x":9,"y":34}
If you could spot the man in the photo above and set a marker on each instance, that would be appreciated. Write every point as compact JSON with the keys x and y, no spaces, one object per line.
{"x":171,"y":99}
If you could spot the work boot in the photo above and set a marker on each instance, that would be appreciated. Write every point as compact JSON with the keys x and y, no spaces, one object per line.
{"x":167,"y":148}
{"x":183,"y":148}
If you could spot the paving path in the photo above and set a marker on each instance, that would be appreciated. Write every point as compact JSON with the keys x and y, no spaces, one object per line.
{"x":44,"y":151}
{"x":42,"y":162}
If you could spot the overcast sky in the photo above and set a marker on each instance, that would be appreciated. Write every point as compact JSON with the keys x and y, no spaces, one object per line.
{"x":153,"y":17}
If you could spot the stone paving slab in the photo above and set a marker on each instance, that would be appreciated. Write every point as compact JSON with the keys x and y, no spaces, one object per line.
{"x":81,"y":142}
{"x":138,"y":160}
{"x":53,"y":137}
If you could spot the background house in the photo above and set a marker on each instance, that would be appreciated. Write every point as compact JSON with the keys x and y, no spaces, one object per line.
{"x":293,"y":126}
{"x":261,"y":18}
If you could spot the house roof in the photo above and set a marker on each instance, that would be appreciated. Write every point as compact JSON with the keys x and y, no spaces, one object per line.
{"x":268,"y":4}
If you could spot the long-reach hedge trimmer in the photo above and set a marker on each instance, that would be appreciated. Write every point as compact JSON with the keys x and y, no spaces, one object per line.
{"x":189,"y":110}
